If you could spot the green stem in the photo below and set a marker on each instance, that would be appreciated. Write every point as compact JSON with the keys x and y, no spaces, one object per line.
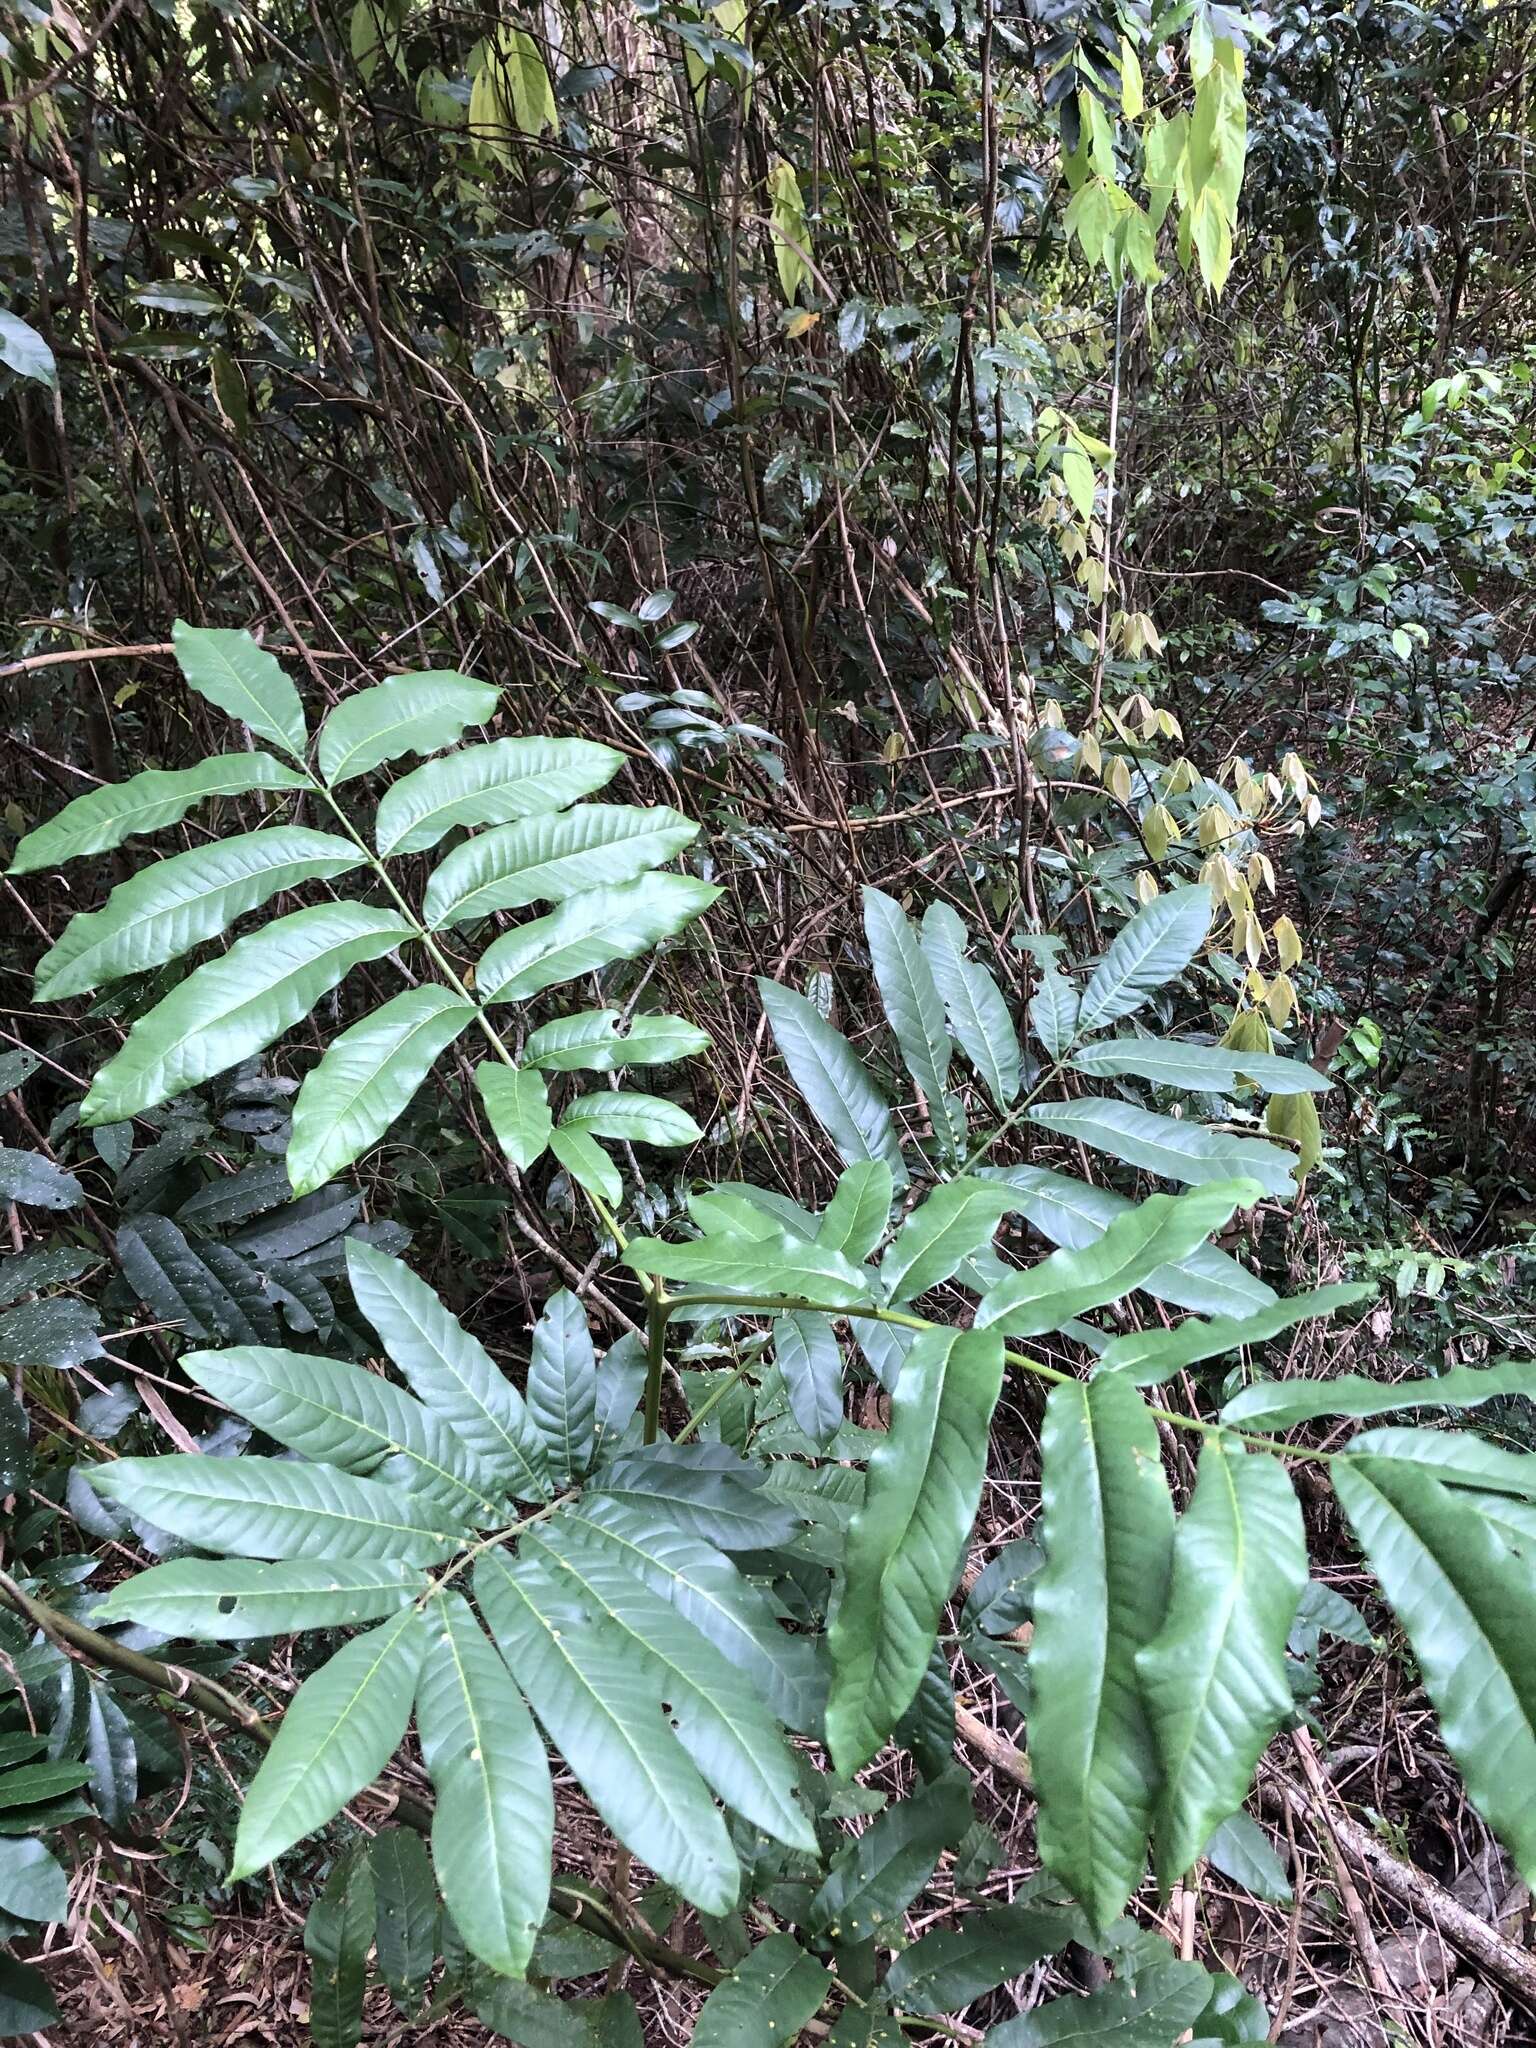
{"x":657,"y":1311}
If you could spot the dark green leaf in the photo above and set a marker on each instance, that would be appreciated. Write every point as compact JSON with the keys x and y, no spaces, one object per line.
{"x":827,"y":1071}
{"x":337,"y":1936}
{"x":766,"y":1999}
{"x":406,"y":1928}
{"x":874,"y":1878}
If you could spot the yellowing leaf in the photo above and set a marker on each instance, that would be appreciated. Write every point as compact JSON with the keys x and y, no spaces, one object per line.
{"x":791,"y":230}
{"x":1287,"y":942}
{"x":1295,"y":1117}
{"x":1132,"y":91}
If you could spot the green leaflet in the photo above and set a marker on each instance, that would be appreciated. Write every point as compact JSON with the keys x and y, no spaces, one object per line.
{"x":236,"y":1006}
{"x":343,"y":1726}
{"x":873,"y":1879}
{"x":450,"y":1370}
{"x":1153,"y":2009}
{"x":1156,"y":1232}
{"x":717,"y":1714}
{"x":1072,"y":1213}
{"x":547,"y":858}
{"x":33,"y":1886}
{"x":1280,"y":1403}
{"x":945,"y":1970}
{"x":147,"y":802}
{"x":338,"y":1934}
{"x":517,"y":1103}
{"x":1108,"y":1533}
{"x":855,"y":1219}
{"x":587,"y":1164}
{"x":407,"y":1914}
{"x":562,"y":1387}
{"x":366,"y":1078}
{"x":602,"y":1706}
{"x":167,"y":909}
{"x":771,"y":1264}
{"x":633,"y":1119}
{"x":973,"y":1004}
{"x":230,"y":670}
{"x":1213,"y":1677}
{"x":592,"y":1042}
{"x":413,"y":714}
{"x":493,"y":1826}
{"x":1465,"y":1601}
{"x":1152,"y":950}
{"x":589,"y":931}
{"x":907,"y":1541}
{"x":828,"y":1073}
{"x":216,"y":1600}
{"x":736,"y":1614}
{"x":206,"y":1288}
{"x":1053,"y":1011}
{"x":951,"y":1226}
{"x":912,"y":1003}
{"x":1214,"y":1069}
{"x":810,"y":1361}
{"x":766,"y":1999}
{"x":1151,"y":1355}
{"x":1167,"y":1146}
{"x":272,"y":1507}
{"x":489,"y":785}
{"x":336,"y":1414}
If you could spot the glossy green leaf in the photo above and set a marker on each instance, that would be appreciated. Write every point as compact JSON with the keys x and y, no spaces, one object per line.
{"x":450,"y":1370}
{"x":277,"y":1507}
{"x":828,"y":1073}
{"x":341,"y":1728}
{"x":167,"y":909}
{"x":973,"y":1005}
{"x":717,"y":1713}
{"x":33,"y":1885}
{"x":706,"y":1490}
{"x":631,"y":1118}
{"x":1279,"y":1404}
{"x":148,"y":802}
{"x":206,"y":1290}
{"x":1156,"y":1232}
{"x":232,"y":671}
{"x":1241,"y":1850}
{"x":766,"y":1999}
{"x":1146,"y":955}
{"x":873,"y":1879}
{"x":406,"y":1926}
{"x":336,"y":1414}
{"x":907,"y":1542}
{"x":601,"y":1704}
{"x":215,"y":1600}
{"x":810,"y":1361}
{"x":737,"y":1265}
{"x":517,"y":1102}
{"x":855,"y":1219}
{"x":1073,"y":1214}
{"x":338,"y":1934}
{"x":592,"y":1042}
{"x":955,"y":1222}
{"x":493,"y":1825}
{"x":912,"y":1003}
{"x":562,"y":1387}
{"x":1003,"y":1598}
{"x":547,"y":858}
{"x":1468,"y":1607}
{"x":1168,"y":1146}
{"x":1153,"y":2009}
{"x":236,"y":1006}
{"x":1151,"y":1355}
{"x":1053,"y":1011}
{"x":587,"y":1164}
{"x":588,"y":932}
{"x":413,"y":714}
{"x":489,"y":785}
{"x":1108,"y":1533}
{"x":1212,"y":1069}
{"x":366,"y":1078}
{"x":1213,"y":1678}
{"x":734,"y":1613}
{"x":949,"y":1968}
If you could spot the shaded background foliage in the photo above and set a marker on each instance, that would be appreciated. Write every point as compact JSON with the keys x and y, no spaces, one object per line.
{"x":541,"y":413}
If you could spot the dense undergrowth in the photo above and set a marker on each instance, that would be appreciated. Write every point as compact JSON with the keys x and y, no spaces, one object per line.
{"x":767,"y":1025}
